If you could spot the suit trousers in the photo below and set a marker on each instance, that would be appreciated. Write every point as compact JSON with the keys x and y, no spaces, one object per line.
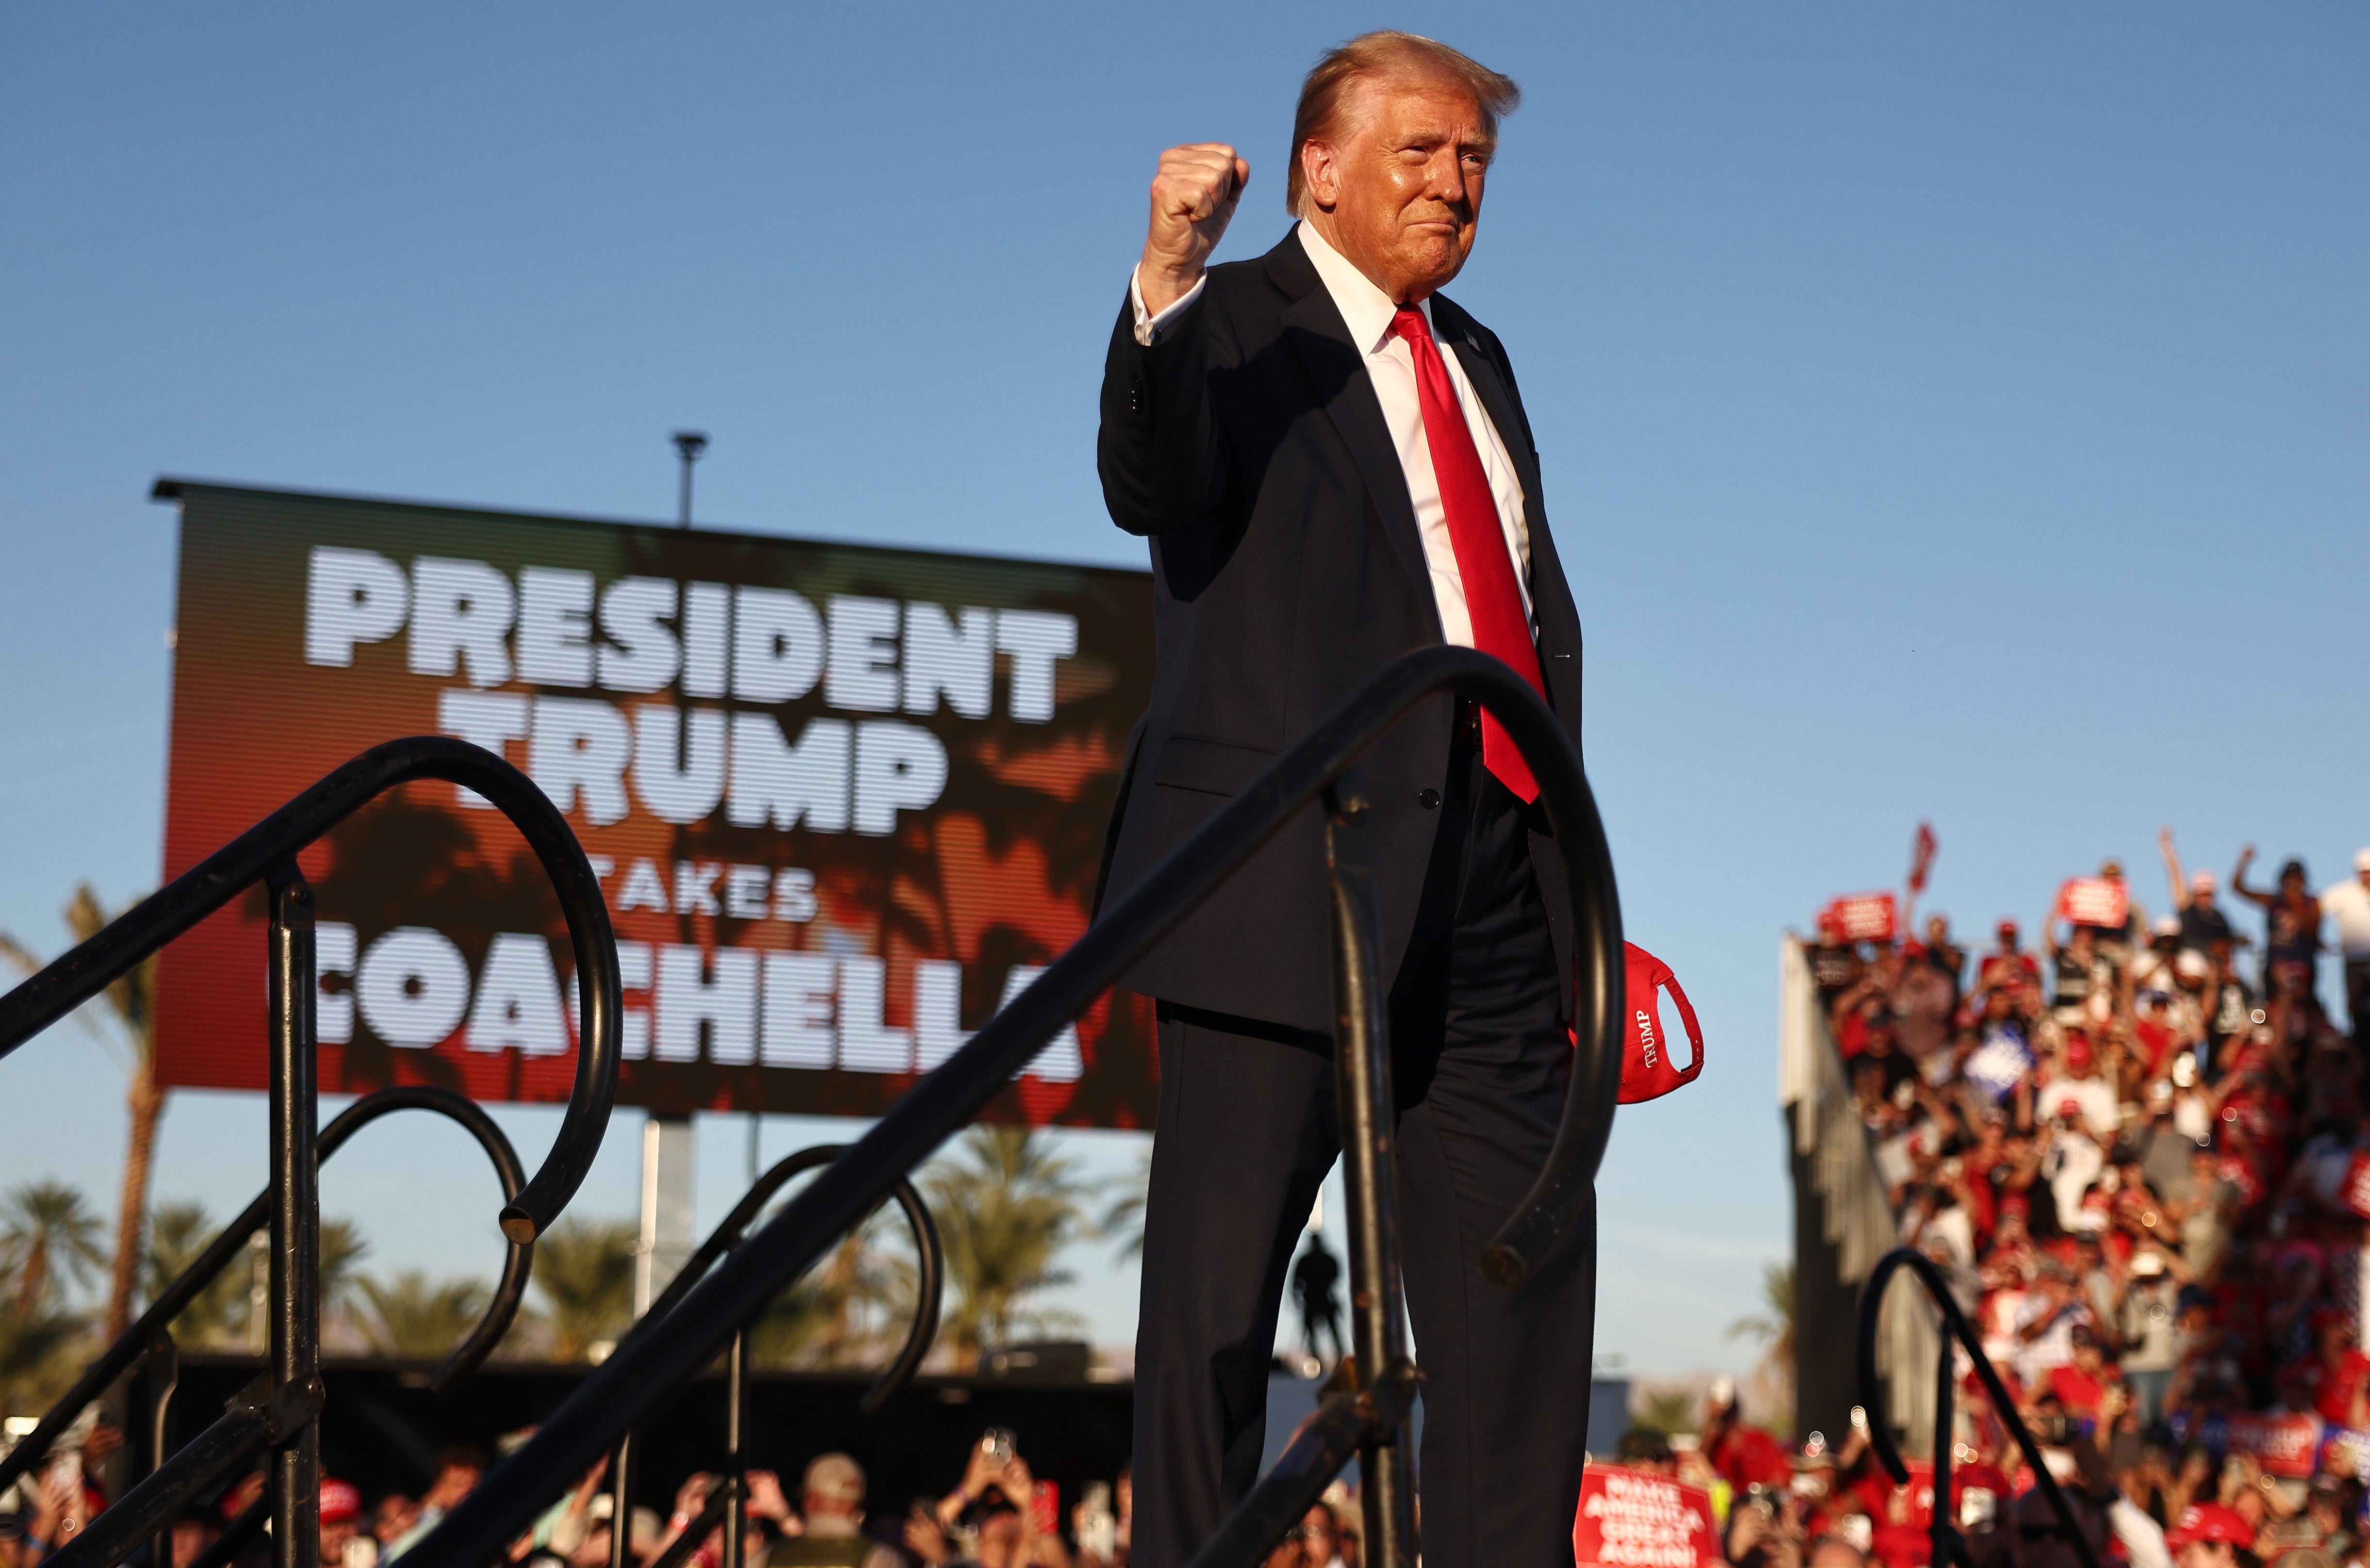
{"x":1247,"y":1129}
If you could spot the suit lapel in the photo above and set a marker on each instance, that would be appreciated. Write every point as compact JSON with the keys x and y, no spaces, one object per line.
{"x":1496,"y":399}
{"x":1559,"y":617}
{"x":1337,"y":373}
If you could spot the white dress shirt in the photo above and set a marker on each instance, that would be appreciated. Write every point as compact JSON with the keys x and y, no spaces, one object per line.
{"x":1390,"y":364}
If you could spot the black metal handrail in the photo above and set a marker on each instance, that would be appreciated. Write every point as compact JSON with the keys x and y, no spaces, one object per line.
{"x":83,"y":973}
{"x":282,"y":1408}
{"x":152,"y":1330}
{"x":727,"y":1504}
{"x":175,"y":1482}
{"x":929,"y":1277}
{"x":1948,"y":1548}
{"x":640,"y":1373}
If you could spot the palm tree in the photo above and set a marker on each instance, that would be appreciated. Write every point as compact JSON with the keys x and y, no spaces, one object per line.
{"x":34,"y":1365}
{"x":1667,"y":1410}
{"x":49,"y":1238}
{"x":1005,"y":1213}
{"x":343,"y":1248}
{"x":133,"y":1000}
{"x":413,"y":1316}
{"x":584,"y":1277}
{"x":1774,"y":1328}
{"x":217,"y":1315}
{"x":178,"y":1232}
{"x":1122,"y":1221}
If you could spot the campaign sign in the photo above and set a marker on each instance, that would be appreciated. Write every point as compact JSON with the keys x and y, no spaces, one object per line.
{"x":844,"y":802}
{"x":2284,"y":1444}
{"x":1863,"y":918}
{"x":2096,"y":901}
{"x":1630,"y":1519}
{"x":1920,"y":1488}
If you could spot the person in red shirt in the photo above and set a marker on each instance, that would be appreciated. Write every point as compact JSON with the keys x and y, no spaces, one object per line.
{"x":2341,"y":1387}
{"x":2011,"y":968}
{"x":1897,"y":1543}
{"x":1744,"y":1456}
{"x":2081,"y":1385}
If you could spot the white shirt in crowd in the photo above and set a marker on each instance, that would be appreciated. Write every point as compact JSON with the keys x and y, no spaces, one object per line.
{"x":1368,"y":312}
{"x":2093,"y":1098}
{"x":2349,"y":903}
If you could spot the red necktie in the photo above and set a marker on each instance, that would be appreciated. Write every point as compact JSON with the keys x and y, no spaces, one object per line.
{"x":1493,"y":598}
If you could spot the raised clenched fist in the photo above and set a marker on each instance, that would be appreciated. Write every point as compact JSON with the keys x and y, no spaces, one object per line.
{"x":1192,"y":198}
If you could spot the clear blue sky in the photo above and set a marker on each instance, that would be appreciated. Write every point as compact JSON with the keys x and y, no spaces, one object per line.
{"x":1947,"y":411}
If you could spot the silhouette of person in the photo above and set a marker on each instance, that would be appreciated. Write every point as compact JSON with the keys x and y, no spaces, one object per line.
{"x":1314,"y":1277}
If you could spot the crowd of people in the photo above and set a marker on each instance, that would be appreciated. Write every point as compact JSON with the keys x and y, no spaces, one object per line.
{"x":998,"y":1515}
{"x":2135,"y":1149}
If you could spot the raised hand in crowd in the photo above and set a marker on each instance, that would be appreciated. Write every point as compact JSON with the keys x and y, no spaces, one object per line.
{"x":765,"y":1501}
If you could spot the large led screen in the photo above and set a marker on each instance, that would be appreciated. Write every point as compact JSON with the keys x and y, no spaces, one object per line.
{"x":844,"y":801}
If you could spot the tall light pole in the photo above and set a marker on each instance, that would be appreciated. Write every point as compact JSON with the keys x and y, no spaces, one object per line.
{"x":691,"y":443}
{"x":665,"y":1243}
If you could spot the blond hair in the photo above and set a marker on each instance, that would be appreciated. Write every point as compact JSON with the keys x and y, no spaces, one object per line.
{"x":1386,"y":52}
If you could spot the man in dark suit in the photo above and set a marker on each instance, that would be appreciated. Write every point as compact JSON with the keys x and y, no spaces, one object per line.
{"x":1334,"y":467}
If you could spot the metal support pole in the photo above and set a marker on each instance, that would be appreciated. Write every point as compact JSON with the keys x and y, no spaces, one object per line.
{"x":296,"y":1231}
{"x":689,"y":444}
{"x":736,"y":1406}
{"x":162,"y":1373}
{"x":1369,"y":1119}
{"x":1945,"y":1525}
{"x":621,"y":1504}
{"x":669,"y":1163}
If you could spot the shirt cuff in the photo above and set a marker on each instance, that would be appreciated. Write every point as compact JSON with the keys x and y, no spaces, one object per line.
{"x":1149,"y":328}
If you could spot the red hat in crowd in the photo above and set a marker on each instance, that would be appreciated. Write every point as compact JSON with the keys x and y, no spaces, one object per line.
{"x":2078,"y":1054}
{"x":339,"y":1501}
{"x":2210,"y":1521}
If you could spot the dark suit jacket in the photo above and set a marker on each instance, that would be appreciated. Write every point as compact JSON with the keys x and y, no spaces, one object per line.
{"x":1250,"y":446}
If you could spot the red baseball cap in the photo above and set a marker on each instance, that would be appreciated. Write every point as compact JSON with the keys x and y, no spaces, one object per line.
{"x":340,"y":1500}
{"x":2210,"y":1521}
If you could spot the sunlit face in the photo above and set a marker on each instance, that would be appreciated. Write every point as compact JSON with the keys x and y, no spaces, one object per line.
{"x":2206,"y":1554}
{"x":1398,"y":188}
{"x":999,"y":1541}
{"x":190,"y":1538}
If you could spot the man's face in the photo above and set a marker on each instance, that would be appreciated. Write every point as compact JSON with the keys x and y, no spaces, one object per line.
{"x":395,"y":1515}
{"x":1320,"y":1541}
{"x":999,"y":1540}
{"x":2206,"y":1554}
{"x":455,"y":1482}
{"x":335,"y":1534}
{"x":1402,"y":183}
